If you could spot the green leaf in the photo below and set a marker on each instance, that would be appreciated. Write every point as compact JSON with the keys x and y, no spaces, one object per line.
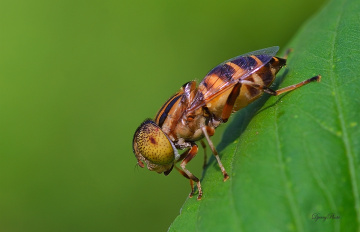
{"x":298,"y":156}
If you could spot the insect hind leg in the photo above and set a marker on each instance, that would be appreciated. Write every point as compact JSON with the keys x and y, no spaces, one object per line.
{"x":288,"y":51}
{"x":283,"y":90}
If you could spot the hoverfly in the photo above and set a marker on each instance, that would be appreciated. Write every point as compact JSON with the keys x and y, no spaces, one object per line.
{"x":194,"y":113}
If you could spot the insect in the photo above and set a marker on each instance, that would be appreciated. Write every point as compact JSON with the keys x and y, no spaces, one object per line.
{"x":193,"y":113}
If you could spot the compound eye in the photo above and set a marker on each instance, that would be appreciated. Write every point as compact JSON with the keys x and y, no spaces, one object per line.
{"x":151,"y":143}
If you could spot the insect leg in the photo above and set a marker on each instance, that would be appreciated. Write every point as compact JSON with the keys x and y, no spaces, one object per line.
{"x":292,"y":87}
{"x":183,"y":155}
{"x":288,"y":51}
{"x":191,"y":181}
{"x":190,"y":155}
{"x":204,"y":130}
{"x":205,"y":156}
{"x":227,"y":110}
{"x":283,"y":90}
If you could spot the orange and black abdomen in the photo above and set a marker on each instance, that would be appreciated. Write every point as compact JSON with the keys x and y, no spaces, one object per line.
{"x":240,"y":68}
{"x":264,"y":76}
{"x":216,"y":87}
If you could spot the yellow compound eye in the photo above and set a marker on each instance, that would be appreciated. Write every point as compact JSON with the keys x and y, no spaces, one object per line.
{"x":151,"y":143}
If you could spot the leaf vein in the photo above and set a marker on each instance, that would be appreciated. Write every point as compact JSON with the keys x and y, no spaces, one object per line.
{"x":285,"y":178}
{"x":322,"y":186}
{"x":232,"y":189}
{"x":345,"y":136}
{"x":322,"y":125}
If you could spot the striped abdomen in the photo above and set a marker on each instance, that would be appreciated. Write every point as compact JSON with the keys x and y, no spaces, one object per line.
{"x":216,"y":87}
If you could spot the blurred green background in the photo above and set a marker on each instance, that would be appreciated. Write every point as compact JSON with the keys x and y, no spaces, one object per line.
{"x":78,"y":77}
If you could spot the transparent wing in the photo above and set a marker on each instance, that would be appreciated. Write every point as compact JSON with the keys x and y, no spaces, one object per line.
{"x":228,"y":73}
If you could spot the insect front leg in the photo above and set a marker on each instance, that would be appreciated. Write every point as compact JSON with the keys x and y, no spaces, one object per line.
{"x":182,"y":156}
{"x":190,"y":155}
{"x":205,"y":130}
{"x":191,"y":181}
